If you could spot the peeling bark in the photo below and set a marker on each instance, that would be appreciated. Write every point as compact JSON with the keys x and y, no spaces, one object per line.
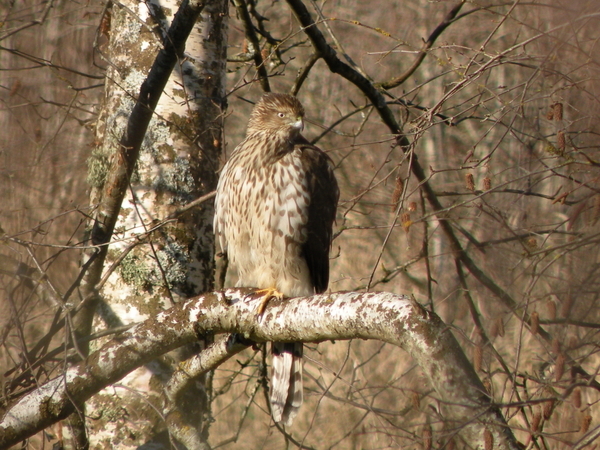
{"x":383,"y":316}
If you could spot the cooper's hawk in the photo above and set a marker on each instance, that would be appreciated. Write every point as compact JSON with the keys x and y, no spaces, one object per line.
{"x":274,"y":212}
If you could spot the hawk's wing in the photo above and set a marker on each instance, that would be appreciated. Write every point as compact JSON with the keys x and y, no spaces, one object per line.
{"x":324,"y":194}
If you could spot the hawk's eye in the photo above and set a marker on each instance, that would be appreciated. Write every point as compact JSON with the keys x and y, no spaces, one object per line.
{"x":282,"y":115}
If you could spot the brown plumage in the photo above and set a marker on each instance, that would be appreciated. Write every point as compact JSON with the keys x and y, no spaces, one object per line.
{"x":274,"y":212}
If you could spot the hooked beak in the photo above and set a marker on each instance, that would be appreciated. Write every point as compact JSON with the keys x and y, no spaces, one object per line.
{"x":299,"y":124}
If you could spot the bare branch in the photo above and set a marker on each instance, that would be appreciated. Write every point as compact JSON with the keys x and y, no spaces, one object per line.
{"x":339,"y":67}
{"x":303,"y":74}
{"x":330,"y":57}
{"x":448,"y":20}
{"x":242,"y":9}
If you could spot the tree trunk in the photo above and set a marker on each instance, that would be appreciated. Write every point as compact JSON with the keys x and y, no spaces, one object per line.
{"x":177,"y":162}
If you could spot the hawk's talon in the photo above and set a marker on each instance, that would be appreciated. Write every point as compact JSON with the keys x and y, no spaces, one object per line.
{"x":267,"y":295}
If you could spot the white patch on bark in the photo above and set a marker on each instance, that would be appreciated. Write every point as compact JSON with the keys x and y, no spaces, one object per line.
{"x":143,"y":12}
{"x":195,"y":313}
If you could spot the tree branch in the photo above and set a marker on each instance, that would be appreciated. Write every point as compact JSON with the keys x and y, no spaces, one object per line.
{"x":250,"y":33}
{"x":383,"y":316}
{"x":324,"y":50}
{"x":448,"y":20}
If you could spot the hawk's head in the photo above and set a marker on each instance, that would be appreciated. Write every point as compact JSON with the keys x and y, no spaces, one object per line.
{"x":279,"y":114}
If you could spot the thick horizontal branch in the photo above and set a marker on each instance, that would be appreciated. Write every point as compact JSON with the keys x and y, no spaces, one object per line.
{"x":383,"y":316}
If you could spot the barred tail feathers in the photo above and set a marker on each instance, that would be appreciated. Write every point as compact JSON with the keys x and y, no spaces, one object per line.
{"x":286,"y":381}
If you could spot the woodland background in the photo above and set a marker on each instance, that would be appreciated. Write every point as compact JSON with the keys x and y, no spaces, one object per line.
{"x":502,"y":112}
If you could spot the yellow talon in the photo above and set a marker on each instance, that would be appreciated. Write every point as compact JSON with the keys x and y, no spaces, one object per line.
{"x":267,"y":295}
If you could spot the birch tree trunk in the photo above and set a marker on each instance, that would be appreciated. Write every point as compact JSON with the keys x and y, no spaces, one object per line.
{"x":177,"y":162}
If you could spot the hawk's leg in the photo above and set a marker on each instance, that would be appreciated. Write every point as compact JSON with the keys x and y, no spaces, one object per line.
{"x":267,"y":295}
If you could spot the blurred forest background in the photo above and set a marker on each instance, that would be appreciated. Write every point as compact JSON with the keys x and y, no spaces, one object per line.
{"x":502,"y":112}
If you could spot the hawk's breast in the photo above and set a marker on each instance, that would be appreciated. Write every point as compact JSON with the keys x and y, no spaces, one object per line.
{"x":261,"y":219}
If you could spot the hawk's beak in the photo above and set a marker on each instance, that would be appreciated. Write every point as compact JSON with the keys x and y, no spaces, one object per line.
{"x":299,"y":124}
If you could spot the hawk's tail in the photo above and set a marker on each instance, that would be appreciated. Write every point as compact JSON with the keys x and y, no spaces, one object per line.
{"x":286,"y":381}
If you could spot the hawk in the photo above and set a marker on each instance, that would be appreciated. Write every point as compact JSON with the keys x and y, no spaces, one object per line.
{"x":274,"y":211}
